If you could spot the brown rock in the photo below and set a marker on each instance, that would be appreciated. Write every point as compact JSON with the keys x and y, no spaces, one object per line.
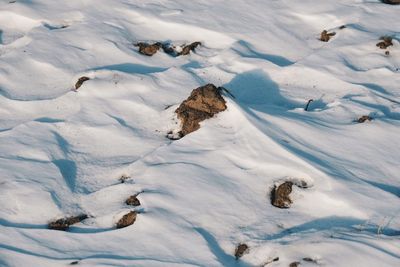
{"x":325,"y":36}
{"x":133,"y":201}
{"x":186,"y":49}
{"x":148,"y":49}
{"x":127,"y":219}
{"x":385,"y":43}
{"x":391,"y":2}
{"x":241,"y":249}
{"x":80,"y":81}
{"x":64,"y":223}
{"x":203,"y":103}
{"x":280,"y":195}
{"x":364,"y":119}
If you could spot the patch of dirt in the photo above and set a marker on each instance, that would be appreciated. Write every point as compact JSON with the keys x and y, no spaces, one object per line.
{"x":203,"y":103}
{"x":364,"y":118}
{"x":385,"y":43}
{"x":133,"y":201}
{"x":80,"y":81}
{"x":241,"y":249}
{"x":64,"y":223}
{"x":391,"y":2}
{"x":127,"y":219}
{"x":148,"y":49}
{"x":280,"y":195}
{"x":326,"y":36}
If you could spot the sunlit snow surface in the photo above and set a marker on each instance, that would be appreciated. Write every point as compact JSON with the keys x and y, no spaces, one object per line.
{"x":62,"y":152}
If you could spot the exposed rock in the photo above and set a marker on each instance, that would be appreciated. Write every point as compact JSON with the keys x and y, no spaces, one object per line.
{"x":342,"y":27}
{"x":64,"y":223}
{"x":133,"y":201}
{"x":294,"y":264}
{"x":280,"y":195}
{"x":124,"y":178}
{"x":80,"y":81}
{"x":188,"y":48}
{"x":270,"y":261}
{"x":127,"y":219}
{"x":364,"y":119}
{"x":391,"y":2}
{"x":148,"y":49}
{"x":385,"y":43}
{"x":241,"y":249}
{"x":325,"y":36}
{"x":203,"y":103}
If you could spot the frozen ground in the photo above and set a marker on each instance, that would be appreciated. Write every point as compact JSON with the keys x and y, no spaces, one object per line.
{"x":62,"y":152}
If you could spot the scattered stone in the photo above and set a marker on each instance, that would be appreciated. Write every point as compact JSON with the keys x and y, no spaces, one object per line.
{"x":364,"y":118}
{"x":308,"y":259}
{"x":294,"y":264}
{"x":148,"y":49}
{"x":133,"y":201}
{"x":280,"y":195}
{"x":188,"y":48}
{"x":203,"y":103}
{"x":325,"y":36}
{"x":74,"y":263}
{"x":387,"y":53}
{"x":271,"y":261}
{"x":123,"y":178}
{"x":64,"y":223}
{"x":127,"y":219}
{"x":385,"y":43}
{"x":241,"y":249}
{"x":391,"y":2}
{"x":342,"y":27}
{"x":80,"y":81}
{"x":174,"y":135}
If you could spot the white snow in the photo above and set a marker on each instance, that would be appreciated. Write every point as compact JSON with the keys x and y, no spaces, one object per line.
{"x":62,"y":152}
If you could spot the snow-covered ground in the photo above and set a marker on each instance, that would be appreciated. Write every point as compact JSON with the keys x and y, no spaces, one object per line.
{"x":62,"y":152}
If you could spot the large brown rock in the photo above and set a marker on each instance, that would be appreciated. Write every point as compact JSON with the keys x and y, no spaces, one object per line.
{"x":148,"y":49}
{"x":64,"y":223}
{"x":280,"y":195}
{"x":127,"y":219}
{"x":203,"y":103}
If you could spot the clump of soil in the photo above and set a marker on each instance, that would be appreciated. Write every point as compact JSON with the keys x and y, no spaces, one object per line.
{"x":148,"y":49}
{"x":280,"y":195}
{"x":127,"y":219}
{"x":64,"y":223}
{"x":385,"y":43}
{"x":133,"y":201}
{"x":391,"y":2}
{"x":203,"y":103}
{"x":326,"y":36}
{"x":80,"y":81}
{"x":241,"y":249}
{"x":364,"y":118}
{"x":180,"y":50}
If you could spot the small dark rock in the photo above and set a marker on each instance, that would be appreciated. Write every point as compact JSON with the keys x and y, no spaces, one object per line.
{"x":325,"y":36}
{"x":241,"y":249}
{"x":127,"y":219}
{"x":294,"y":264}
{"x":148,"y":49}
{"x":74,"y":263}
{"x":133,"y":201}
{"x":280,"y":195}
{"x":342,"y":27}
{"x":391,"y":2}
{"x":385,"y":43}
{"x":364,"y":119}
{"x":80,"y":81}
{"x":64,"y":223}
{"x":188,"y":48}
